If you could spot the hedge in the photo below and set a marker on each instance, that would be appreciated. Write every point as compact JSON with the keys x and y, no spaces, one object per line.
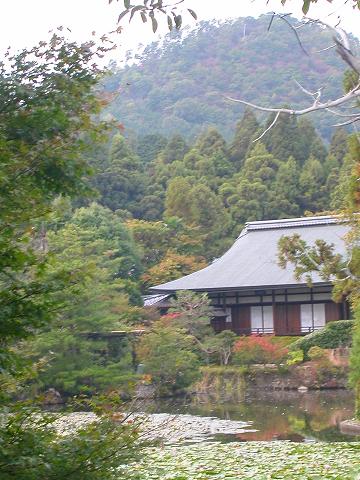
{"x":333,"y":335}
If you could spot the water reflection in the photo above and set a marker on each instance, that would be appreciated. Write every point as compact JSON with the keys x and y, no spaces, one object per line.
{"x":294,"y":416}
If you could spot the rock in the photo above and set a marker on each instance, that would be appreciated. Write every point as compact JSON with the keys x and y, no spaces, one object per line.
{"x":350,"y":427}
{"x":52,"y":397}
{"x":302,"y":389}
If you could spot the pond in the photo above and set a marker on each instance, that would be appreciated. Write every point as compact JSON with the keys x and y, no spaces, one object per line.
{"x":280,"y":415}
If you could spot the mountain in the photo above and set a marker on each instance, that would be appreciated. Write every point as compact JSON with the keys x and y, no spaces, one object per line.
{"x":177,"y":85}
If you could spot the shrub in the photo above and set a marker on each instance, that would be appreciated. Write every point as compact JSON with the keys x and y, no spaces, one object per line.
{"x":333,"y":335}
{"x":294,"y":357}
{"x":257,"y":349}
{"x":31,"y":448}
{"x":317,"y":353}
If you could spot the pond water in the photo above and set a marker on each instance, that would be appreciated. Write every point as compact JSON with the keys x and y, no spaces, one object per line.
{"x":286,"y":415}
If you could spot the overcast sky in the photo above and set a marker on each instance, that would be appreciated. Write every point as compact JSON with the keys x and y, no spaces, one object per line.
{"x":24,"y":22}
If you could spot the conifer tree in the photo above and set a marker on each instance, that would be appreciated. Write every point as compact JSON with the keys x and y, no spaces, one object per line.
{"x":212,"y":146}
{"x":340,"y":191}
{"x":174,"y":150}
{"x":244,"y":133}
{"x":149,"y":146}
{"x":93,"y":241}
{"x":283,"y":140}
{"x":178,"y":201}
{"x":122,"y":182}
{"x":312,"y":190}
{"x":260,"y":164}
{"x":286,"y":189}
{"x":253,"y":188}
{"x":339,"y":145}
{"x":309,"y":142}
{"x":211,"y":142}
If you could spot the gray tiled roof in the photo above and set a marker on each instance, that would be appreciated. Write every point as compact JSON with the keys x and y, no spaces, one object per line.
{"x":150,"y":300}
{"x":252,"y":260}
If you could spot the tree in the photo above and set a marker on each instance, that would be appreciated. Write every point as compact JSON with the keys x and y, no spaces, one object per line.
{"x":174,"y":18}
{"x":244,"y":134}
{"x":175,"y":149}
{"x":178,"y":199}
{"x":48,"y":113}
{"x":283,"y":139}
{"x":312,"y":179}
{"x":149,"y":146}
{"x":222,"y":345}
{"x":340,"y":193}
{"x":172,"y":266}
{"x":309,"y":142}
{"x":94,"y":242}
{"x":251,"y":196}
{"x":192,"y":312}
{"x":212,"y":146}
{"x":167,"y":355}
{"x":100,"y":450}
{"x":122,"y":182}
{"x":287,"y":190}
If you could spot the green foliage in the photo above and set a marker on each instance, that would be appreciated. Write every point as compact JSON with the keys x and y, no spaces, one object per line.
{"x":32,"y":448}
{"x":319,"y":257}
{"x":93,"y":241}
{"x":317,"y":353}
{"x":192,"y":311}
{"x":48,"y":119}
{"x":222,"y":345}
{"x":177,"y":85}
{"x":333,"y":335}
{"x":294,"y":357}
{"x":120,"y":179}
{"x":48,"y":116}
{"x":168,"y":249}
{"x":168,"y":357}
{"x":355,"y":362}
{"x":244,"y":134}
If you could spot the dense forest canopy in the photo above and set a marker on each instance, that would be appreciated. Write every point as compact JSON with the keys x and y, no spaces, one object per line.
{"x":176,"y":86}
{"x":186,"y":201}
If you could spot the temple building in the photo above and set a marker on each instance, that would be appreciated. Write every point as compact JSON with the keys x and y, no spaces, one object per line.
{"x":251,"y":293}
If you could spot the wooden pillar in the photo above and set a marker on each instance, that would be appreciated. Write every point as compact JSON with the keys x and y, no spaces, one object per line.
{"x":312,"y":309}
{"x":273,"y":310}
{"x":286,"y":311}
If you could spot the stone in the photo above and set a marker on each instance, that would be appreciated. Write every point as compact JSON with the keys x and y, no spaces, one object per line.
{"x":52,"y":397}
{"x":350,"y":427}
{"x":302,"y":388}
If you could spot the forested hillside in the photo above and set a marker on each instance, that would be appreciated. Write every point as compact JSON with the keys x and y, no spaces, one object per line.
{"x":185,"y":202}
{"x":177,"y":85}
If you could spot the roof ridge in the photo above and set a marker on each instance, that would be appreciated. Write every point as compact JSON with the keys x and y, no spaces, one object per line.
{"x":293,"y":222}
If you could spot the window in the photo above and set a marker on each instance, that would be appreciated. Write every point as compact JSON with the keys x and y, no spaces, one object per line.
{"x":262,"y":319}
{"x":228,"y":318}
{"x":312,"y":317}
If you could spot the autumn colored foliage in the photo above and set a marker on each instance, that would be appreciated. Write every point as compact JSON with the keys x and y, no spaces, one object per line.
{"x":257,"y":349}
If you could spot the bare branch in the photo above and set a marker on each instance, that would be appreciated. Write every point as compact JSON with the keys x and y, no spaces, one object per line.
{"x":351,"y":95}
{"x":269,"y":127}
{"x":339,"y":114}
{"x":326,"y":48}
{"x":283,"y":17}
{"x":315,"y":95}
{"x":348,"y":122}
